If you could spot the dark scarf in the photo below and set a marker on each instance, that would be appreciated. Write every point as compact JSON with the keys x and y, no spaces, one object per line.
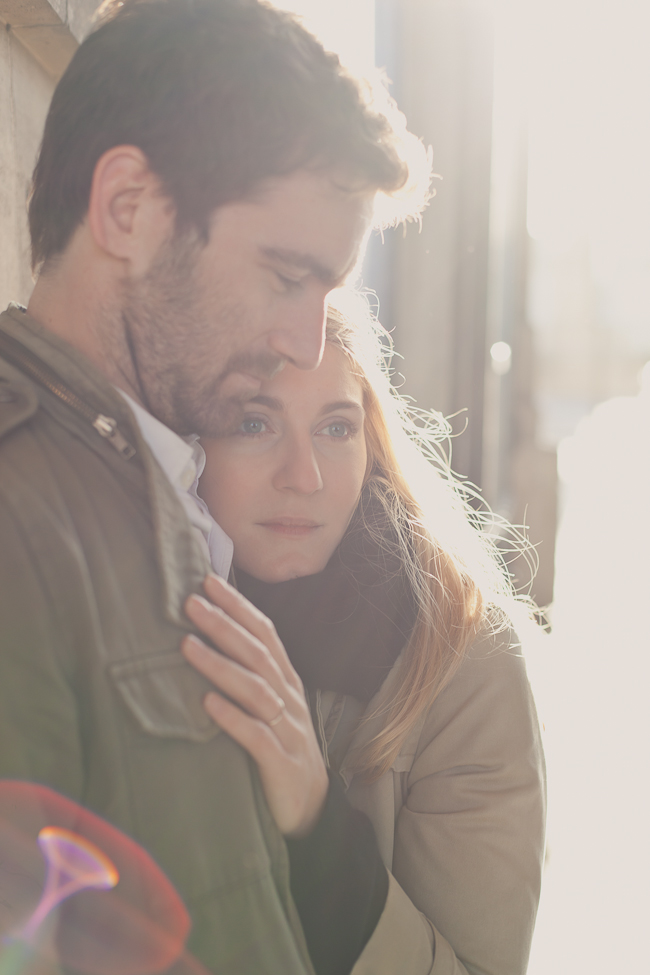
{"x":343,"y":628}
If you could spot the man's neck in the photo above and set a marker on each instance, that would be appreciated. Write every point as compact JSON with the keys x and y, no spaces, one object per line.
{"x":76,"y":299}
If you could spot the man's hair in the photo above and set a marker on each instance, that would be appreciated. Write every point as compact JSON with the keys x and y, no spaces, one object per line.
{"x":219,"y":95}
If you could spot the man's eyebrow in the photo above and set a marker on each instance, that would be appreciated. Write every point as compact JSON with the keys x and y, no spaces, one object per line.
{"x":306,"y":262}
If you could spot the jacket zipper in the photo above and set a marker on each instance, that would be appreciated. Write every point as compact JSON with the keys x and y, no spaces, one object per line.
{"x":105,"y":426}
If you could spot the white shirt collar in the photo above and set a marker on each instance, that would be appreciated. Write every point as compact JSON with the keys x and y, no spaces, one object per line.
{"x":175,"y":454}
{"x":183,"y":459}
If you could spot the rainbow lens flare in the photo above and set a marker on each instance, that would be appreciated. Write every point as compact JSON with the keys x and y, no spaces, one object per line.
{"x":78,"y":894}
{"x":73,"y":864}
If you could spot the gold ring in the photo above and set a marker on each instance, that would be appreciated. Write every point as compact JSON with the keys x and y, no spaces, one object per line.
{"x":279,"y":716}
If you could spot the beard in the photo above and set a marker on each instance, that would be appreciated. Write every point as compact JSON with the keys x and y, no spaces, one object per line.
{"x":178,"y":352}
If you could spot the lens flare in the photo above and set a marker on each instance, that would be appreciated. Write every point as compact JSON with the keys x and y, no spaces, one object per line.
{"x":78,"y":894}
{"x":73,"y":864}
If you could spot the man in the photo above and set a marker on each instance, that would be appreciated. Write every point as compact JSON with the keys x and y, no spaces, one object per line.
{"x":207,"y":175}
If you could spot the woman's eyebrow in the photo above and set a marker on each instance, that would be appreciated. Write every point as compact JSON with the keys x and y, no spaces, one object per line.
{"x":342,"y":404}
{"x":269,"y":401}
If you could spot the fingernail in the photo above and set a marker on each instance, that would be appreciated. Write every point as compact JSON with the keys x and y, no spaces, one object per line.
{"x":199,"y":602}
{"x":212,"y":577}
{"x":192,"y":644}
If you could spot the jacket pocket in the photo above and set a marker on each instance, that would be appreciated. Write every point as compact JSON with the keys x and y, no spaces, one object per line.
{"x":165,"y":695}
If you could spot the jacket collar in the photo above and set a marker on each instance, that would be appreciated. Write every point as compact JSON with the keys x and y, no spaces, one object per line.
{"x":181,"y":563}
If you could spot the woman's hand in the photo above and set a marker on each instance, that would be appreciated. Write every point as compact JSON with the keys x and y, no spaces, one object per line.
{"x":269,"y":717}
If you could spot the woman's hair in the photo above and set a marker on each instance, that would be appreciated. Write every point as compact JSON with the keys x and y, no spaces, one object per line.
{"x":447,"y":547}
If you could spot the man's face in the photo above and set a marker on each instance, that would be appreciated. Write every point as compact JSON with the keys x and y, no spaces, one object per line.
{"x":207,"y":324}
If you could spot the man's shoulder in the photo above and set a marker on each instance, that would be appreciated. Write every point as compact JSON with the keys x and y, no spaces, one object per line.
{"x":49,"y":452}
{"x":53,"y":401}
{"x":28,"y":444}
{"x":18,"y":399}
{"x":20,"y":392}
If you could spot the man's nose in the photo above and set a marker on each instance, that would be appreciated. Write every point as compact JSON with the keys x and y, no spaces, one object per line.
{"x":300,"y":336}
{"x":299,"y":470}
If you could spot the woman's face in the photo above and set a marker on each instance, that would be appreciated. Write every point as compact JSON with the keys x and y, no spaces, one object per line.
{"x":285,"y":485}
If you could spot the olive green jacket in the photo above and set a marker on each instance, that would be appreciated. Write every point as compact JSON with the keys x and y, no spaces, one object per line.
{"x":459,"y":818}
{"x":96,"y":559}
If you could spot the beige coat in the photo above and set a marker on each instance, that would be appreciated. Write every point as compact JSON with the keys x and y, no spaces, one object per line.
{"x":459,"y":819}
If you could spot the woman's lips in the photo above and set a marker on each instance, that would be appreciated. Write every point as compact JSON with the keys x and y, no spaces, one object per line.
{"x":290,"y":526}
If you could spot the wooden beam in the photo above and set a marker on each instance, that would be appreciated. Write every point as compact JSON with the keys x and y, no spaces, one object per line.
{"x":41,"y":26}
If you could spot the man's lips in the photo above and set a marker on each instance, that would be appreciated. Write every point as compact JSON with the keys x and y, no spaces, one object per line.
{"x":290,"y":526}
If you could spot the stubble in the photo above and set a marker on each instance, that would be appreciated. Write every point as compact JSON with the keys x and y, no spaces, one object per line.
{"x":179,"y":352}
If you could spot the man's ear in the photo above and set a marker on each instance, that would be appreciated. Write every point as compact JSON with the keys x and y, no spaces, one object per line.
{"x":129,"y":217}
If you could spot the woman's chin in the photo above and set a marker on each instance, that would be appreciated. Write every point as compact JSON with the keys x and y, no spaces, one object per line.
{"x":284,"y":571}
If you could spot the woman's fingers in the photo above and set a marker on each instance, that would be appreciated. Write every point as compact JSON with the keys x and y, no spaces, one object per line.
{"x":248,"y":616}
{"x":261,"y":702}
{"x":295,"y":781}
{"x":235,"y":641}
{"x":251,"y":733}
{"x":249,"y":690}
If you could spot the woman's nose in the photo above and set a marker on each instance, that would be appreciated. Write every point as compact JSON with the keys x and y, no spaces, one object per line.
{"x":299,"y":471}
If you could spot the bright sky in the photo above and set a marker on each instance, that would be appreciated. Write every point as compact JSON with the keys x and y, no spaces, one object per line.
{"x":589,"y":77}
{"x":590,"y":96}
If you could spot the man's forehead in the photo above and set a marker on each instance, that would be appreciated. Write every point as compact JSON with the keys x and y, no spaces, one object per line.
{"x":305,"y":196}
{"x":319,"y":181}
{"x":302,"y":221}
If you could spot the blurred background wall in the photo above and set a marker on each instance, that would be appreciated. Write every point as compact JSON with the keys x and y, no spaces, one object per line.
{"x":521,"y":308}
{"x":37,"y":39}
{"x":457,"y":287}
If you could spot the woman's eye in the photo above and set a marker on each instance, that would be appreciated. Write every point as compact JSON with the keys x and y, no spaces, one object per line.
{"x":252,"y":426}
{"x":338,"y":430}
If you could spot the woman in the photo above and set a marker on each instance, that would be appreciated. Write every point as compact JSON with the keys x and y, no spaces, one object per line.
{"x":395,"y":612}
